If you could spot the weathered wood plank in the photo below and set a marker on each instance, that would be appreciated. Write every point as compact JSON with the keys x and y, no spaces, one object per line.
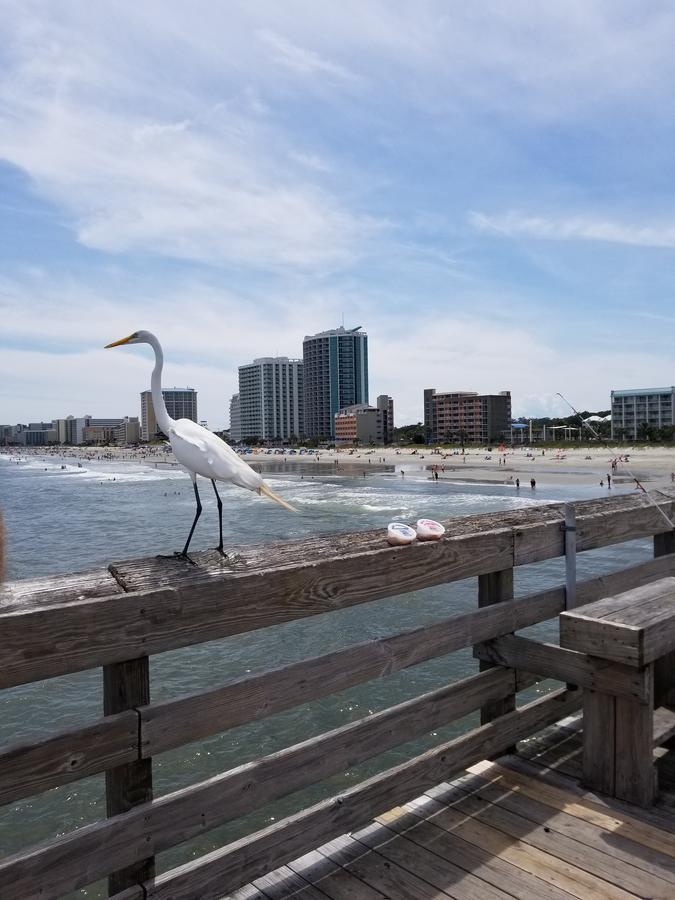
{"x":552,"y":661}
{"x":176,"y":722}
{"x":30,"y":768}
{"x":654,"y":828}
{"x":495,"y":587}
{"x":343,"y":852}
{"x":621,"y":877}
{"x":599,"y":748}
{"x":335,"y":881}
{"x":664,"y":667}
{"x":377,"y":873}
{"x":538,"y":863}
{"x":410,"y":820}
{"x":216,"y":601}
{"x":593,"y":835}
{"x":435,"y":869}
{"x":635,"y":774}
{"x":625,"y":579}
{"x":634,"y":627}
{"x":32,"y":593}
{"x":68,"y":638}
{"x":284,"y":882}
{"x":181,"y":815}
{"x":240,"y":862}
{"x":126,"y":685}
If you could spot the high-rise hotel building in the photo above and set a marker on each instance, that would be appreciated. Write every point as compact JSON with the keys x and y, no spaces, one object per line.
{"x":335,"y":376}
{"x":181,"y":403}
{"x":270,"y":399}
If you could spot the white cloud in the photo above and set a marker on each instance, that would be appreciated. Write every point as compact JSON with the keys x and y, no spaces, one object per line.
{"x":574,"y":228}
{"x":170,"y":173}
{"x":299,"y":59}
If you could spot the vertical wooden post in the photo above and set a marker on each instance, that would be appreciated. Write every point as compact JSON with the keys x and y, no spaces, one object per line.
{"x":570,"y":556}
{"x":127,"y":685}
{"x":493,"y":588}
{"x":599,"y":742}
{"x":635,"y":772}
{"x":664,"y":668}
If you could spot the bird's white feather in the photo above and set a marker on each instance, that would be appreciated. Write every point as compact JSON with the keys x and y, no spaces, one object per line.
{"x":204,"y":453}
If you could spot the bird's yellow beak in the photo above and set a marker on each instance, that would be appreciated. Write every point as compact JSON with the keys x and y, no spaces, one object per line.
{"x":121,"y":341}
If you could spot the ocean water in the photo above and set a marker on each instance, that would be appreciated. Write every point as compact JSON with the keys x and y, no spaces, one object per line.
{"x":67,"y":519}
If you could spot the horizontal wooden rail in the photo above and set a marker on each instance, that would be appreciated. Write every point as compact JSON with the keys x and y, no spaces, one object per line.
{"x":217,"y":873}
{"x":291,"y":582}
{"x":551,"y":661}
{"x":175,"y":722}
{"x":28,"y":769}
{"x":93,"y":851}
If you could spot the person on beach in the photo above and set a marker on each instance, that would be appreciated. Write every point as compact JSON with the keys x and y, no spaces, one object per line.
{"x":517,"y":483}
{"x":533,"y":483}
{"x":609,"y":480}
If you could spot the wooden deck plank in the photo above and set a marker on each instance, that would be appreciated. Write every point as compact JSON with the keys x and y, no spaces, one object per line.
{"x":620,"y":879}
{"x":493,"y":870}
{"x":248,"y":892}
{"x":284,"y":882}
{"x":564,"y":875}
{"x":392,"y":880}
{"x":335,"y":881}
{"x":428,"y":865}
{"x":622,"y":848}
{"x":648,"y":827}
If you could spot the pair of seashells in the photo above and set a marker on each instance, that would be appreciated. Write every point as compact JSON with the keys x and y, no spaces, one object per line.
{"x":427,"y":530}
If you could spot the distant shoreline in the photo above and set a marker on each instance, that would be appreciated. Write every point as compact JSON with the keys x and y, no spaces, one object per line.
{"x":569,"y":465}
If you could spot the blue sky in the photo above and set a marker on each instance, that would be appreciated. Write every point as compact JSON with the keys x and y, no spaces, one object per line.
{"x":487,"y":188}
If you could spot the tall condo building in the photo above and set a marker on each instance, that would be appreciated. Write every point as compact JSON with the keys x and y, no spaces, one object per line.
{"x":270,"y":399}
{"x":235,"y":419}
{"x":467,"y":416}
{"x":336,"y":376}
{"x":181,"y":403}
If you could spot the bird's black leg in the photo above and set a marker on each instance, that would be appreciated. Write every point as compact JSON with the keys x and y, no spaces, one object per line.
{"x":219,"y":548}
{"x":197,"y":515}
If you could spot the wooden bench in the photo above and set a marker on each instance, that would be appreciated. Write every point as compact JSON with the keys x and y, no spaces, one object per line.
{"x":635,"y":629}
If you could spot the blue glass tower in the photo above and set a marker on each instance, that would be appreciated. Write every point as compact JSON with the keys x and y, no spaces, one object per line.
{"x":335,"y":367}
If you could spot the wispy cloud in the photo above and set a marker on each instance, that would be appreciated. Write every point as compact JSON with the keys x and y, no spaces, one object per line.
{"x":574,"y":228}
{"x":299,"y":59}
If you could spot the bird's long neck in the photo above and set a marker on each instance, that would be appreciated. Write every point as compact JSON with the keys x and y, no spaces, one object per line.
{"x":164,"y":420}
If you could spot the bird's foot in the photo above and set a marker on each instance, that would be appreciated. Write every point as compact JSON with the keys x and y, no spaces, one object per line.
{"x":177,"y":554}
{"x":221,"y":551}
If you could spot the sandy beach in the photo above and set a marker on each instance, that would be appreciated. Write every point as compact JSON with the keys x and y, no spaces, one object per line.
{"x":652,"y":466}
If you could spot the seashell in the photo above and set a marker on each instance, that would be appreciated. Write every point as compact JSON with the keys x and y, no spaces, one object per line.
{"x":399,"y":533}
{"x":429,"y":530}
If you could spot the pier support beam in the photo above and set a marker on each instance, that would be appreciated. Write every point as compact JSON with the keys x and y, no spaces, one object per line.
{"x":493,"y":588}
{"x":126,"y":685}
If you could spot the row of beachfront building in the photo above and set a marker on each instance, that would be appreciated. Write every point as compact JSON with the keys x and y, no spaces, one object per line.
{"x":324,"y":397}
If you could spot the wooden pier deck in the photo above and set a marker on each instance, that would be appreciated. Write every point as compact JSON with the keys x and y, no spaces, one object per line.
{"x":519,"y":827}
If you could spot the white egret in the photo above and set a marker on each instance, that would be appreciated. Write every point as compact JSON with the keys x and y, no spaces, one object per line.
{"x":198,"y":450}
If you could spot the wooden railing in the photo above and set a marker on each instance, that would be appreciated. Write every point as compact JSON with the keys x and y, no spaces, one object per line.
{"x":116,"y":619}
